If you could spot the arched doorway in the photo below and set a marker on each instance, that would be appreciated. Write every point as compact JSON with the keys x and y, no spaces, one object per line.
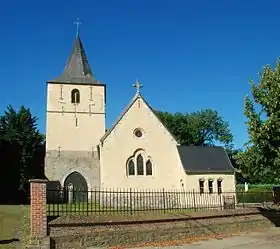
{"x":79,"y":184}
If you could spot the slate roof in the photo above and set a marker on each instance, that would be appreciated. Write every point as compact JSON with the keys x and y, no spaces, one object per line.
{"x":136,"y":96}
{"x":202,"y":159}
{"x":77,"y":69}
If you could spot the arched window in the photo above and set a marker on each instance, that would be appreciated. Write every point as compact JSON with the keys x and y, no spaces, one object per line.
{"x":131,"y":168}
{"x":140,"y":165}
{"x":149,"y":170}
{"x":75,"y":96}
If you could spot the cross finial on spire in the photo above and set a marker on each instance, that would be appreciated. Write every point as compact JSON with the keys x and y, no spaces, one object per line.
{"x":138,"y":85}
{"x":78,"y":23}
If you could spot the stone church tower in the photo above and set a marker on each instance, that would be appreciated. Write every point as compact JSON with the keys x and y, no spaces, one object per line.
{"x":75,"y":123}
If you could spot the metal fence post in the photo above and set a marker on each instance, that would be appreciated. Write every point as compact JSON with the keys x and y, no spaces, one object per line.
{"x":163,"y":194}
{"x":131,"y":201}
{"x":221,"y":202}
{"x":194,"y":201}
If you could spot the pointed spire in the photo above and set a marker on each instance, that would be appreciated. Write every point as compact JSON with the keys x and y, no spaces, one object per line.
{"x":77,"y":69}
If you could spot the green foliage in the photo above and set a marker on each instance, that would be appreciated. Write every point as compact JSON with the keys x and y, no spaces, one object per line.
{"x":21,"y":150}
{"x":254,"y":196}
{"x":255,"y":187}
{"x":260,"y":162}
{"x":232,"y":153}
{"x":257,"y":193}
{"x":204,"y":127}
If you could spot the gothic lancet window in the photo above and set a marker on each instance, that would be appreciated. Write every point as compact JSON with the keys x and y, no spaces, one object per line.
{"x":75,"y":96}
{"x":131,"y":168}
{"x":140,"y":165}
{"x":149,"y":170}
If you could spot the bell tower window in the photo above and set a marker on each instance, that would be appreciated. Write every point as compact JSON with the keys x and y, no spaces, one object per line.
{"x":75,"y":96}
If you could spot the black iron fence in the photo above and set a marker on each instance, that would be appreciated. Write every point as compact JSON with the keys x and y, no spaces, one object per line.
{"x":79,"y":202}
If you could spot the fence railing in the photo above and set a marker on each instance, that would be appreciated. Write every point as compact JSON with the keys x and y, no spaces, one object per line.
{"x":79,"y":202}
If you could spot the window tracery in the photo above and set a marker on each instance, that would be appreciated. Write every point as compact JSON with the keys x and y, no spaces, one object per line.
{"x":139,"y":164}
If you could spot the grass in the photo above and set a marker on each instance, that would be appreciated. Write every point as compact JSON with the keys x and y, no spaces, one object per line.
{"x":14,"y":225}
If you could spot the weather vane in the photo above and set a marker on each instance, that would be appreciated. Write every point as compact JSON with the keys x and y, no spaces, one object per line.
{"x":78,"y":23}
{"x":137,"y":85}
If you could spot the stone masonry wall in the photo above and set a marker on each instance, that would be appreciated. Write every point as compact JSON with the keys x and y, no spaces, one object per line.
{"x":59,"y":164}
{"x":109,"y":236}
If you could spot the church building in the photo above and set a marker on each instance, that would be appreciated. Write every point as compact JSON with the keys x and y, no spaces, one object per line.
{"x":137,"y":152}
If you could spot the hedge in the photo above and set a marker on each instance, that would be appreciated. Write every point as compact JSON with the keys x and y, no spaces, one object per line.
{"x":254,"y":196}
{"x":256,"y":187}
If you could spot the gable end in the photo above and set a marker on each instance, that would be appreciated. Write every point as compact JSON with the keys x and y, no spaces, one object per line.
{"x":137,"y":96}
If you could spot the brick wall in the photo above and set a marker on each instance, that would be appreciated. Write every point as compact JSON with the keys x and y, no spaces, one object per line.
{"x":38,"y":205}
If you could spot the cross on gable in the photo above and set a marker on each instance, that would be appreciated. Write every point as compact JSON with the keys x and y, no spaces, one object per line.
{"x":138,"y":85}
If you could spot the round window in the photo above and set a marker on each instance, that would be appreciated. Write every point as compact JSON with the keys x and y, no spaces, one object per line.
{"x":138,"y":133}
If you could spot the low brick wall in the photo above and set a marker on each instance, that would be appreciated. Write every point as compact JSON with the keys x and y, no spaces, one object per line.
{"x":81,"y":237}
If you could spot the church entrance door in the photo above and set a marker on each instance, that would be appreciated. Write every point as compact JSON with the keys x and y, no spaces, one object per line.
{"x":77,"y":183}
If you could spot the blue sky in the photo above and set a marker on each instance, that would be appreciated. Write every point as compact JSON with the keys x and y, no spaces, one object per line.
{"x":189,"y":55}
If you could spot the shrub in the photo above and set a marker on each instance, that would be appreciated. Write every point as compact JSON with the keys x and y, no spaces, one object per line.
{"x":254,"y":196}
{"x":255,"y":187}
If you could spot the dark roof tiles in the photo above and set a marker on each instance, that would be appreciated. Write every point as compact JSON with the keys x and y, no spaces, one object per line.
{"x":77,"y":69}
{"x":203,"y":159}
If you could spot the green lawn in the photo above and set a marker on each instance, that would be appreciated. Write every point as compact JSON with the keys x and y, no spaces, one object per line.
{"x":14,"y":225}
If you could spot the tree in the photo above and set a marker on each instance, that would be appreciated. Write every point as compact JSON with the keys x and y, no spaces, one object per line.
{"x":232,"y":153}
{"x":21,"y":150}
{"x":204,"y":127}
{"x":260,"y":162}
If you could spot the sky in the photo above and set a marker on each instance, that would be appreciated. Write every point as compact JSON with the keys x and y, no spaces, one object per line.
{"x":189,"y":55}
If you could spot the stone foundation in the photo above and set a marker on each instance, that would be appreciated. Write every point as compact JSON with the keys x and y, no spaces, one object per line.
{"x":121,"y":235}
{"x":59,"y":164}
